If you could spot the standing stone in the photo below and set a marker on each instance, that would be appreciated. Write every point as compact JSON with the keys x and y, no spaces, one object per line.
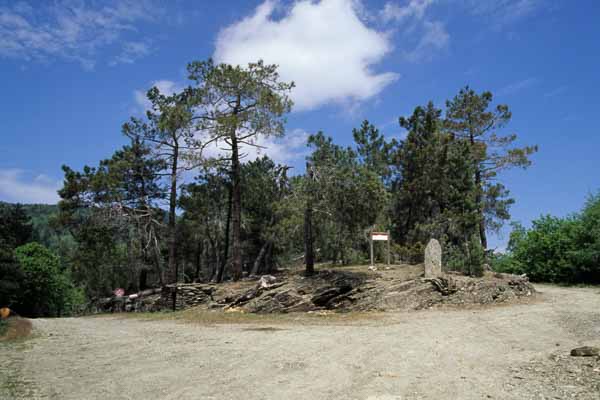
{"x":433,"y":259}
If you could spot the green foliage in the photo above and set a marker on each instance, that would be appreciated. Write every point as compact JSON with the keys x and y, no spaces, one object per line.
{"x":409,"y":253}
{"x":467,"y":258}
{"x":113,"y":216}
{"x":16,"y":230}
{"x":238,"y":101}
{"x":559,"y":250}
{"x":233,"y":106}
{"x":16,"y":226}
{"x":46,"y":290}
{"x":471,"y":119}
{"x":11,"y":278}
{"x":347,"y":198}
{"x":249,"y":216}
{"x":374,"y":151}
{"x":434,"y":191}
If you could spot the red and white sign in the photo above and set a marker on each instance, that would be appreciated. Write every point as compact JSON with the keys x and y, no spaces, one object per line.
{"x":379,"y":236}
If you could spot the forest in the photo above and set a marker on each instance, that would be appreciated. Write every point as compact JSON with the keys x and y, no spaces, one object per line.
{"x":164,"y":209}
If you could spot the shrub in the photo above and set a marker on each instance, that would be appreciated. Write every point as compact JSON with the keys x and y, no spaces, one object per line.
{"x":46,"y":290}
{"x":558,"y":250}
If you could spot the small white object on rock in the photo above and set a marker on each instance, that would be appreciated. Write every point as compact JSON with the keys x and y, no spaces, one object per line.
{"x":372,"y":268}
{"x":433,"y":259}
{"x":266,"y":281}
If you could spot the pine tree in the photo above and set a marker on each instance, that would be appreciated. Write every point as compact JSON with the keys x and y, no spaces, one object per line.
{"x":234,"y":106}
{"x":469,"y":117}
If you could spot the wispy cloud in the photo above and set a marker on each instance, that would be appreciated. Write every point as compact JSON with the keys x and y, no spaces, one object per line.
{"x":434,"y":38}
{"x":75,"y":30}
{"x":18,"y":186}
{"x":556,"y":92}
{"x":131,"y":52}
{"x":422,"y":37}
{"x":503,"y":12}
{"x":392,"y":11}
{"x":518,"y":86}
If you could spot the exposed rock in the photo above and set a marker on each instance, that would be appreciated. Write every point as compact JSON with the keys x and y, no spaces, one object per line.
{"x":324,"y":295}
{"x":147,"y":300}
{"x":346,"y":289}
{"x":586,"y":351}
{"x":266,"y":281}
{"x":351,"y":289}
{"x":445,"y":286}
{"x":433,"y":259}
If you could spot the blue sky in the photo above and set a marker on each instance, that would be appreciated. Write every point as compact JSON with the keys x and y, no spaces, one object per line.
{"x":72,"y":72}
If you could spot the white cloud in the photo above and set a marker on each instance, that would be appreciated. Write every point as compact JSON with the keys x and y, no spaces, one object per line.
{"x":74,"y":30}
{"x":324,"y":47}
{"x":165,"y":86}
{"x":284,"y":150}
{"x":414,"y":9}
{"x":16,"y":186}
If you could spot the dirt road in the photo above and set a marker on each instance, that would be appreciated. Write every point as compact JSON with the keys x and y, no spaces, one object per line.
{"x":507,"y":352}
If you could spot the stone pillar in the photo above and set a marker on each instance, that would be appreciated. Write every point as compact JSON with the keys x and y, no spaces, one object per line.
{"x":433,"y":259}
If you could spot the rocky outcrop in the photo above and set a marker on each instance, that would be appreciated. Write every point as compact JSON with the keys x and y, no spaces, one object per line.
{"x":339,"y":290}
{"x":345,"y":289}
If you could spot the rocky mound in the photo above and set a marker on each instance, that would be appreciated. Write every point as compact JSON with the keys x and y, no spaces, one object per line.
{"x":352,"y":289}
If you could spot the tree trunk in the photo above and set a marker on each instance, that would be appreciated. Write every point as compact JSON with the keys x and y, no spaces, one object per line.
{"x":222,"y":264}
{"x":479,"y":202}
{"x":143,"y":285}
{"x":172,"y":241}
{"x":261,"y":254}
{"x":309,"y":257}
{"x":157,"y":262}
{"x":478,"y":194}
{"x":269,"y":264}
{"x":199,"y":251}
{"x":236,"y":212}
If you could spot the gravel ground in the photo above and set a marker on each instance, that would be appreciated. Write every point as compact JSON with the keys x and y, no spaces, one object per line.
{"x":504,"y":352}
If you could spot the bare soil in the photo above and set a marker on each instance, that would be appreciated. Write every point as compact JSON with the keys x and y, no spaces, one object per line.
{"x":516,"y":351}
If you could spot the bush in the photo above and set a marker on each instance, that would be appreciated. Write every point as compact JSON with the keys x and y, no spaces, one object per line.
{"x":557,"y":250}
{"x":46,"y":290}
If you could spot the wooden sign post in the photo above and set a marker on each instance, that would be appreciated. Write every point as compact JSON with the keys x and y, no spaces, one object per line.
{"x":380,"y":236}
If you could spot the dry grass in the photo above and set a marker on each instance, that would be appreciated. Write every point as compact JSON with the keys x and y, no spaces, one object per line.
{"x":238,"y":317}
{"x":14,"y":328}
